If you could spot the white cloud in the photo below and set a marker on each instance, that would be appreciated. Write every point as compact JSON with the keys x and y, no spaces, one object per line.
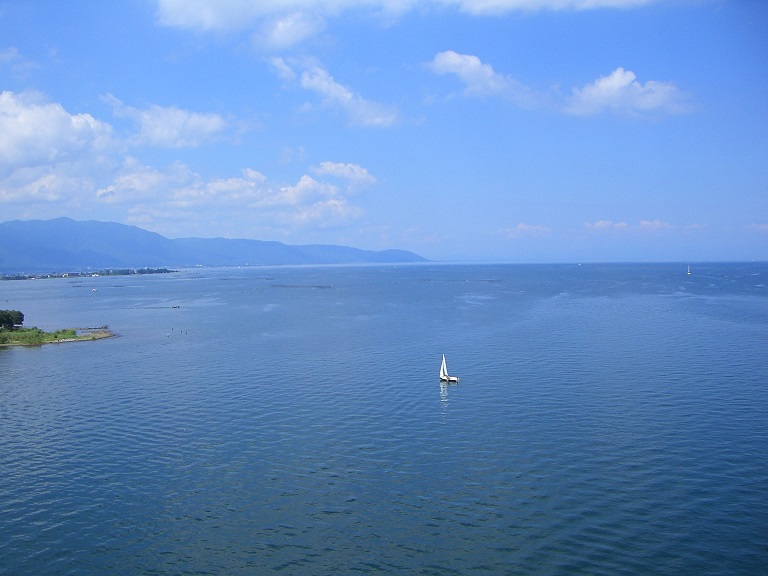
{"x":605,"y":225}
{"x":523,"y":229}
{"x":642,"y":226}
{"x":480,"y":79}
{"x":654,"y":225}
{"x":359,"y":110}
{"x":253,"y":197}
{"x":305,"y":192}
{"x":356,"y":175}
{"x":212,"y":14}
{"x":497,"y":7}
{"x":180,"y":187}
{"x":243,"y":14}
{"x":283,"y":69}
{"x":54,"y":163}
{"x":48,"y":154}
{"x":35,"y":131}
{"x":158,"y":197}
{"x":135,"y":181}
{"x":12,"y":59}
{"x":234,"y":193}
{"x":168,"y":126}
{"x":621,"y":92}
{"x":316,"y":79}
{"x":326,"y":213}
{"x":286,"y":30}
{"x":38,"y":185}
{"x":9,"y":55}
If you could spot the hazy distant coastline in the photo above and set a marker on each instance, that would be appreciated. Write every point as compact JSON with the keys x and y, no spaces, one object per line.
{"x":88,"y":274}
{"x":63,"y":245}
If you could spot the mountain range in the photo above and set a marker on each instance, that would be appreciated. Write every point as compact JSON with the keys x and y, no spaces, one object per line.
{"x":66,"y":245}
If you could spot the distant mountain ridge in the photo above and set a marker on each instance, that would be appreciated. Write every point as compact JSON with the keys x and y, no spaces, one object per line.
{"x":63,"y":244}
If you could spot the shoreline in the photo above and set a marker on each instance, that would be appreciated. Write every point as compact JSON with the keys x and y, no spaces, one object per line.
{"x":87,"y":335}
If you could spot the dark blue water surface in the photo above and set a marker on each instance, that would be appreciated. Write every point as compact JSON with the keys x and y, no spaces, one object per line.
{"x":610,"y":419}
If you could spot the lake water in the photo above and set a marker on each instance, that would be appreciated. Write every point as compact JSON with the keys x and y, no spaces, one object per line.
{"x":610,"y":419}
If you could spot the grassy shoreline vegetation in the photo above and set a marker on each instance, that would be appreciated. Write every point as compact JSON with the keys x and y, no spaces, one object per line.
{"x":36,"y":337}
{"x":13,"y":334}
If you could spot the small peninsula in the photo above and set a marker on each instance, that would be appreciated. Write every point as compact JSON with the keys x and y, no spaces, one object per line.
{"x":13,"y":334}
{"x":35,"y":336}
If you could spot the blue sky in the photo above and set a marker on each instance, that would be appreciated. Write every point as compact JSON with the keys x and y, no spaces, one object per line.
{"x":502,"y":130}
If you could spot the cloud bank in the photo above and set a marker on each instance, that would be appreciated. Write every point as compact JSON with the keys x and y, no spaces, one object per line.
{"x":53,"y":161}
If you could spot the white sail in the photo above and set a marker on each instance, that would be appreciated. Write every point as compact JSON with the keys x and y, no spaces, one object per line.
{"x":444,"y":373}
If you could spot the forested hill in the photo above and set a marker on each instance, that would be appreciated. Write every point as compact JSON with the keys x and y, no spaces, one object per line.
{"x":63,"y":244}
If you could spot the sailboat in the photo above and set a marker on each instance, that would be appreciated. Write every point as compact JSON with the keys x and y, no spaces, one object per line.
{"x":689,"y":269}
{"x":444,"y":373}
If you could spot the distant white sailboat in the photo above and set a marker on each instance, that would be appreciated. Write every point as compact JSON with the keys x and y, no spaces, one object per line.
{"x":689,"y":269}
{"x":444,"y":373}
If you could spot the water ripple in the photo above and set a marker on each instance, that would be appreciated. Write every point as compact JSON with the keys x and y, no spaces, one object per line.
{"x":303,"y":431}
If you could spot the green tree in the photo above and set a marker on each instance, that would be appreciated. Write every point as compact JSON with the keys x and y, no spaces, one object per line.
{"x":10,"y":318}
